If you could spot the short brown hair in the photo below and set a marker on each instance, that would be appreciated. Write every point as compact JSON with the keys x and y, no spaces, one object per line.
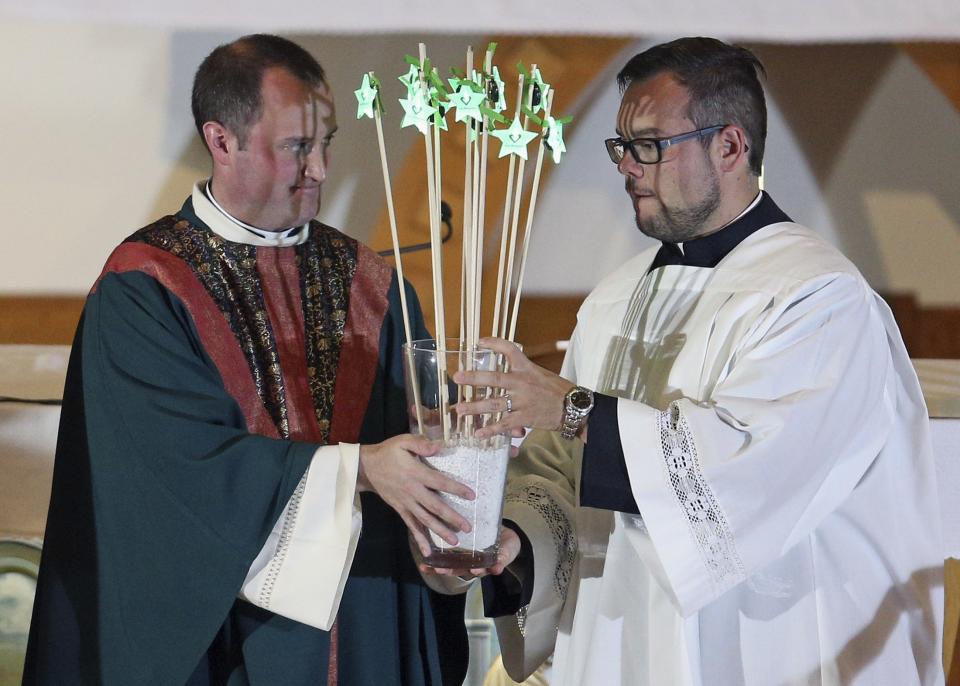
{"x":226,"y":88}
{"x":723,"y":82}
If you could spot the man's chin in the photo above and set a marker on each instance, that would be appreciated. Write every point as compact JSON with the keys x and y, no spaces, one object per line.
{"x":649,"y":228}
{"x":307,"y":212}
{"x":659,"y":232}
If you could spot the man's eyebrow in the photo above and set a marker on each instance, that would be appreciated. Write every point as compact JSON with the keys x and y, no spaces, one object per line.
{"x":651,"y":132}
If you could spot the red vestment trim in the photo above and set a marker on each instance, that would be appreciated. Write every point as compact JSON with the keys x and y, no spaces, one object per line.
{"x":360,"y":347}
{"x":218,"y":339}
{"x":282,"y":296}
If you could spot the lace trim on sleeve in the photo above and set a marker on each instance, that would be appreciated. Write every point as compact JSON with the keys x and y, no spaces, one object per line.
{"x":538,"y":499}
{"x":707,"y":522}
{"x":283,"y":545}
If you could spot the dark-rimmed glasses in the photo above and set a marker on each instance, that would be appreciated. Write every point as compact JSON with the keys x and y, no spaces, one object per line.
{"x":650,"y":150}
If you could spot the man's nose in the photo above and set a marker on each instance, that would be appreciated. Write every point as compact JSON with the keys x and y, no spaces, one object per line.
{"x":628,"y":166}
{"x":315,"y":164}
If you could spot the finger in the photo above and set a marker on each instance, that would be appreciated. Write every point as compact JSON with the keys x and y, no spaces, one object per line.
{"x":438,"y":481}
{"x":436,"y":527}
{"x":474,"y":407}
{"x":418,"y":445}
{"x":427,"y":569}
{"x":509,"y":350}
{"x":486,"y":406}
{"x":518,"y":432}
{"x":442,"y":517}
{"x":418,"y":536}
{"x":438,"y":507}
{"x":505,"y":425}
{"x":489,"y":379}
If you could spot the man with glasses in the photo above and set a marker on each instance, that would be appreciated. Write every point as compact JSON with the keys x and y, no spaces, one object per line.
{"x":731,"y":481}
{"x":234,"y":473}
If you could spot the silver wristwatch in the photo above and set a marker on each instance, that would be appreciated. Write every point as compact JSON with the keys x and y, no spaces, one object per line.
{"x":577,"y":404}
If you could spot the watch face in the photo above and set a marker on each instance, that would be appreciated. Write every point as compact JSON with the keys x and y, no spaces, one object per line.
{"x":581,"y":399}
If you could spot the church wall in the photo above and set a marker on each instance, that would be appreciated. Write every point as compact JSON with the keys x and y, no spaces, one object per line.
{"x":98,"y":140}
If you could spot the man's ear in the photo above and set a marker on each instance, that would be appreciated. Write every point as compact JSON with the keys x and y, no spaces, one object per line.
{"x":220,"y":142}
{"x":731,"y":148}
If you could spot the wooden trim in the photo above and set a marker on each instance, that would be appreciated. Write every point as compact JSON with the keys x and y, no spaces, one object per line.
{"x":39,"y":319}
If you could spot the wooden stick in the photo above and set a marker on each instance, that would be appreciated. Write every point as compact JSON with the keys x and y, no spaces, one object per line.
{"x":467,"y":275}
{"x":477,"y":245}
{"x":437,"y":263}
{"x":468,"y":214}
{"x":515,"y":225}
{"x":508,"y":197}
{"x":482,"y":193}
{"x":531,"y":206}
{"x":466,"y":312}
{"x":391,"y":213}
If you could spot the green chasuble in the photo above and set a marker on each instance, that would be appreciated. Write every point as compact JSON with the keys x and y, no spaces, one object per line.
{"x":204,"y":376}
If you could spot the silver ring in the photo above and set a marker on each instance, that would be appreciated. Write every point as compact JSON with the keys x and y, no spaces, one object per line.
{"x":509,"y":403}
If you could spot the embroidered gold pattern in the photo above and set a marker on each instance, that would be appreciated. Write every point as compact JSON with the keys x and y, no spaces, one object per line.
{"x":327,"y":265}
{"x":228,"y":271}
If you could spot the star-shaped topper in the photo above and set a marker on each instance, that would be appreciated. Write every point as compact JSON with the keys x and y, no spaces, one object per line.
{"x":467,"y":102}
{"x":540,"y":90}
{"x":411,"y":80}
{"x":416,"y":111}
{"x":495,"y":91}
{"x":437,"y":100}
{"x":366,"y":98}
{"x":514,"y":140}
{"x":554,"y":138}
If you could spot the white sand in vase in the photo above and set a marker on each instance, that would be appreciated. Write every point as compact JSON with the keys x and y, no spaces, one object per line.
{"x":485,"y":469}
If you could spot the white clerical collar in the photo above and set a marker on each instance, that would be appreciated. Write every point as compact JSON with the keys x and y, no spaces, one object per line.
{"x":232,"y":229}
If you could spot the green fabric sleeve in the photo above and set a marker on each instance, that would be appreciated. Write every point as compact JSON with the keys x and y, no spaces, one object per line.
{"x":183,"y":497}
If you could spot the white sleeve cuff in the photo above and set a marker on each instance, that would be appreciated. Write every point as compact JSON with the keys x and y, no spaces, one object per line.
{"x":303,"y":566}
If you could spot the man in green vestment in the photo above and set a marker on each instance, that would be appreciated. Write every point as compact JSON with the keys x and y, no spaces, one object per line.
{"x":233,"y":416}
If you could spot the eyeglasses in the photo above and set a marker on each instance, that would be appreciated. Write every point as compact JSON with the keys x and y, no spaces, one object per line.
{"x":650,"y":150}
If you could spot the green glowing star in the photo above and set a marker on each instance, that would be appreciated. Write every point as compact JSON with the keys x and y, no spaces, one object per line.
{"x":495,"y":91}
{"x":416,"y":111}
{"x":366,"y":98}
{"x":540,"y":90}
{"x":438,"y":99}
{"x":554,"y":138}
{"x":411,"y":80}
{"x":440,"y":118}
{"x":467,"y":101}
{"x":514,"y":140}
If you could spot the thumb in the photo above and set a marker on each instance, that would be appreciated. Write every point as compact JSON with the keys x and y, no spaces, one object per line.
{"x":421,"y":446}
